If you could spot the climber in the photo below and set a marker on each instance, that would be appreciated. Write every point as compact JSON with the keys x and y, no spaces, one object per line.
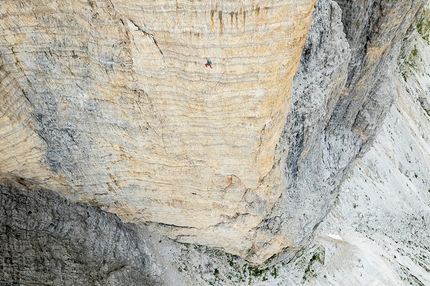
{"x":208,"y":63}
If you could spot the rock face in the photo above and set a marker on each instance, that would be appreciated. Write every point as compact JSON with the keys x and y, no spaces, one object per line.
{"x":382,"y":215}
{"x":342,"y":92}
{"x":377,"y":230}
{"x":49,"y":240}
{"x":109,"y":103}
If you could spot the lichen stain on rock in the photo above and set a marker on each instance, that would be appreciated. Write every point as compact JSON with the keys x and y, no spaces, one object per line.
{"x":212,"y":18}
{"x":221,"y":24}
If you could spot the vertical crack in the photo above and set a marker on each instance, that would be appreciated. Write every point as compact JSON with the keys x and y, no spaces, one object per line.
{"x":138,"y":28}
{"x":145,"y":33}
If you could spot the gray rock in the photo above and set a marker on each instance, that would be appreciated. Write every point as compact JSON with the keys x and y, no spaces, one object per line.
{"x":341,"y":95}
{"x":48,"y":240}
{"x":317,"y":85}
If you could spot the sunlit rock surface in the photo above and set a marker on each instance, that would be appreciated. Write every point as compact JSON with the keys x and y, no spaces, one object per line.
{"x":109,"y":103}
{"x":377,"y":231}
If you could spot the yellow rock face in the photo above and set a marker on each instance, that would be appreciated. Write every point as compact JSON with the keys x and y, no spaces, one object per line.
{"x":110,"y":102}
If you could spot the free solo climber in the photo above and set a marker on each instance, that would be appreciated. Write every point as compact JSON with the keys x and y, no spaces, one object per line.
{"x":208,"y":63}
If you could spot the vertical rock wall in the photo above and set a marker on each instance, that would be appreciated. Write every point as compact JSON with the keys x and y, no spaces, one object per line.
{"x":109,"y":103}
{"x":342,"y":91}
{"x":321,"y":75}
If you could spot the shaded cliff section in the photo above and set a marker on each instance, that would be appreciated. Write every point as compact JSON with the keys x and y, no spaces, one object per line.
{"x":345,"y":86}
{"x":48,"y":240}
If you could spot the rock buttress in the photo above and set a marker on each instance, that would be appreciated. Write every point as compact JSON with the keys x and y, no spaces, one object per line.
{"x":109,"y":102}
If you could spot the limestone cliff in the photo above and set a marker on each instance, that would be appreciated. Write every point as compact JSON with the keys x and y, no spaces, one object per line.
{"x":109,"y":103}
{"x":341,"y":94}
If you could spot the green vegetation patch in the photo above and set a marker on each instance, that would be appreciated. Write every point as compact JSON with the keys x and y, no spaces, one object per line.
{"x":317,"y":257}
{"x":423,"y":26}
